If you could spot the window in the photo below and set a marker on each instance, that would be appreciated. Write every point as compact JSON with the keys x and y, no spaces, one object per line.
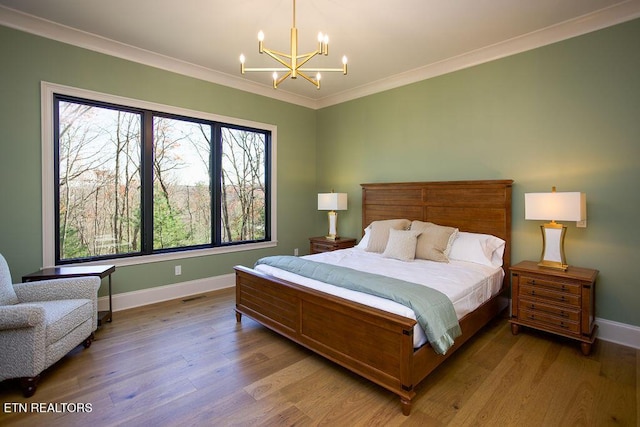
{"x":134,"y":179}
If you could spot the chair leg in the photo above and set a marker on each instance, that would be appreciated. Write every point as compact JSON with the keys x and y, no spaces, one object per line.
{"x":28,"y":385}
{"x":87,"y":343}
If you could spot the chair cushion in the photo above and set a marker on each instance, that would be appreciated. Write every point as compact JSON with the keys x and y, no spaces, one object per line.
{"x":7,"y":293}
{"x":63,"y":316}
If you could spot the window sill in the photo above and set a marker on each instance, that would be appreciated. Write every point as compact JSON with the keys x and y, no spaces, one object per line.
{"x":170,"y":256}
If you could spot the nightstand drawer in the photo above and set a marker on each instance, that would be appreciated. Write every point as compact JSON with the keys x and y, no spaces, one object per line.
{"x":322,"y":244}
{"x":556,"y":310}
{"x":549,"y":295}
{"x":557,"y":286}
{"x":540,"y":318}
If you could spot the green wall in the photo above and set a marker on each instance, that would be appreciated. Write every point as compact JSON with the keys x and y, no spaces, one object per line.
{"x":567,"y":115}
{"x":27,"y":60}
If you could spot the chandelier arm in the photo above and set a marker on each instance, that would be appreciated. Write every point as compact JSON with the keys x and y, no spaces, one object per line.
{"x":305,"y":58}
{"x":320,"y":70}
{"x":281,"y":79}
{"x":314,"y":82}
{"x":276,"y":53}
{"x":277,"y":58}
{"x":277,"y":70}
{"x":310,"y":54}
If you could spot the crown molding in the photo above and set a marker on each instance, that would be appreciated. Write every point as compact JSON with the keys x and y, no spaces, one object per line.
{"x":616,"y":14}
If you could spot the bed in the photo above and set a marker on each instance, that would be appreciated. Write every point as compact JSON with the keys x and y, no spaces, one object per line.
{"x":375,"y":343}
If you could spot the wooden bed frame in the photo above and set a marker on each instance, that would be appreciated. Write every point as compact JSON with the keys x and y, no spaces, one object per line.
{"x":370,"y":342}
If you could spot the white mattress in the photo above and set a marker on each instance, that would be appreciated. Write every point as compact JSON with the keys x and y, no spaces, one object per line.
{"x":468,"y":285}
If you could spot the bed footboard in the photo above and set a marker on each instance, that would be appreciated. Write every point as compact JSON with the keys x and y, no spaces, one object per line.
{"x":338,"y":329}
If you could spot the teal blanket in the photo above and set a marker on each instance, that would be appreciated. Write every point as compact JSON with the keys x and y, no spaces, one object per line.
{"x":434,"y":311}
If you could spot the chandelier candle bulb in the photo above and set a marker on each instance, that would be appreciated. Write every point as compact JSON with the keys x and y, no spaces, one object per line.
{"x":260,"y":42}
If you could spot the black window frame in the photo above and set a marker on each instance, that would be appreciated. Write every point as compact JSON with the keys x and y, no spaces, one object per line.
{"x":146,"y":159}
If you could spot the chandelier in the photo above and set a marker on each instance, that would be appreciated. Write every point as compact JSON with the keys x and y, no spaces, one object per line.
{"x":293,"y":62}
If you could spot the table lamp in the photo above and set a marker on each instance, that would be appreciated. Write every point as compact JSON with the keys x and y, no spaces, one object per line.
{"x":561,"y":206}
{"x":332,"y":202}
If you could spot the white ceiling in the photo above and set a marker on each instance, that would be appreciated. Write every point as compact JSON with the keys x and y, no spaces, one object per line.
{"x":388,"y":43}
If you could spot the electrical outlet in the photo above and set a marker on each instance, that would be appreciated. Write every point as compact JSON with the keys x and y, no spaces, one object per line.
{"x":295,"y":252}
{"x":178,"y":270}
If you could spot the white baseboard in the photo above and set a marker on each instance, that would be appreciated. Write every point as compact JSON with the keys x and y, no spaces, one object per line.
{"x":142,"y":297}
{"x":608,"y":330}
{"x":619,"y":333}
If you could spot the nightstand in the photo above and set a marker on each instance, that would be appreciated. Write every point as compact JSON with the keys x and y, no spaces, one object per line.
{"x":322,"y":244}
{"x":556,"y":301}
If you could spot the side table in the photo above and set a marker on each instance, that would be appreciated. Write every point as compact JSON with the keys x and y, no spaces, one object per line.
{"x":555,"y":301}
{"x":60,"y":272}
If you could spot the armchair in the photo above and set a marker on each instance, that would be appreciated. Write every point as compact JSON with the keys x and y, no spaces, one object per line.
{"x":40,"y":322}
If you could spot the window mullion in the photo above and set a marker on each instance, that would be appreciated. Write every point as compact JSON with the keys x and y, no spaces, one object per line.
{"x":147,"y":182}
{"x":216,"y":184}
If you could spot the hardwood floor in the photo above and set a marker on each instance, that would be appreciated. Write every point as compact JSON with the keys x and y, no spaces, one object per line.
{"x":188,"y":363}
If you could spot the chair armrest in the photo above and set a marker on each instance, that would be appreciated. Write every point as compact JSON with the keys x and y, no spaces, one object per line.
{"x":20,"y":316}
{"x":49,"y":290}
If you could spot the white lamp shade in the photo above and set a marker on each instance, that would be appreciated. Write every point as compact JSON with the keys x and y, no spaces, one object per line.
{"x":332,"y":201}
{"x":565,"y":206}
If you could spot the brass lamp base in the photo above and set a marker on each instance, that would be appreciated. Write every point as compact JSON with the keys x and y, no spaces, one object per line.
{"x":553,"y":246}
{"x":553,"y":264}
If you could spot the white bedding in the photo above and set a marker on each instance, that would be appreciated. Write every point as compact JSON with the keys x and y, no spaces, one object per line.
{"x":467,"y":284}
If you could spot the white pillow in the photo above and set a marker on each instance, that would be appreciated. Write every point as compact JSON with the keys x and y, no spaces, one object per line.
{"x":365,"y":239}
{"x":401,"y":244}
{"x":479,"y":248}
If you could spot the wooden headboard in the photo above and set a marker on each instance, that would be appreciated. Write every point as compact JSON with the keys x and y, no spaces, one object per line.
{"x":472,"y":206}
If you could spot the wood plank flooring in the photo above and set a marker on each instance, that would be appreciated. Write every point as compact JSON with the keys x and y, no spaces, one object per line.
{"x":188,"y":363}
